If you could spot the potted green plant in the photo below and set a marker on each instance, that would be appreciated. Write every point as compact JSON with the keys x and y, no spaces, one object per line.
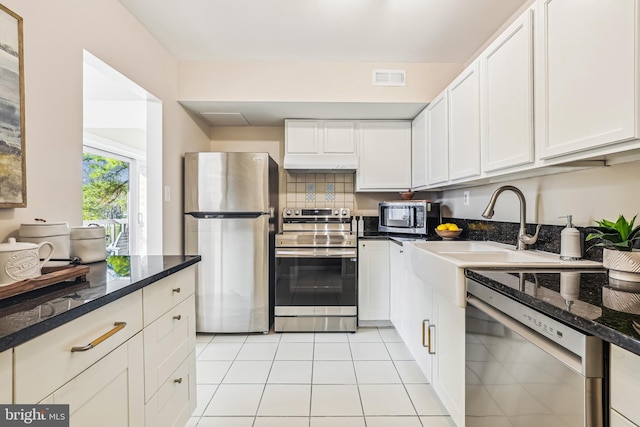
{"x":619,"y":255}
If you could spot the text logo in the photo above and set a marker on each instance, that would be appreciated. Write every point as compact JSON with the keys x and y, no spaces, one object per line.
{"x":34,"y":415}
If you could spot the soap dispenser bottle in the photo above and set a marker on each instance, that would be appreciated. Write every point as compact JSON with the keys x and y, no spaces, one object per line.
{"x":570,"y":242}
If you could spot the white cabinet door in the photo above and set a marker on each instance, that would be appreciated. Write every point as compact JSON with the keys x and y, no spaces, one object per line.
{"x":507,"y":98}
{"x":617,"y":420}
{"x":586,"y":85}
{"x":339,"y":136}
{"x":422,"y":324}
{"x":373,"y":280}
{"x":625,"y":383}
{"x":384,"y":156}
{"x":399,"y":283}
{"x":109,"y":393}
{"x":418,"y":151}
{"x":302,"y":136}
{"x":438,"y":141}
{"x":396,"y":289}
{"x":449,"y":361}
{"x":464,"y":124}
{"x":6,"y":376}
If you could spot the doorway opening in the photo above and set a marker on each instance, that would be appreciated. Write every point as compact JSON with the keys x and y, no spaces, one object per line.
{"x":122,"y":160}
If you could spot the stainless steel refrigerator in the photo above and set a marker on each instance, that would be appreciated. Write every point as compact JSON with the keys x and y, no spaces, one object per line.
{"x":231,"y":205}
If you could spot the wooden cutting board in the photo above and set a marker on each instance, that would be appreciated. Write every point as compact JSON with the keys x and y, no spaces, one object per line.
{"x":73,"y":274}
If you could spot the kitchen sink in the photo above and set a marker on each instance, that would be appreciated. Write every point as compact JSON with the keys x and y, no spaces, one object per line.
{"x":442,"y":263}
{"x":501,"y":257}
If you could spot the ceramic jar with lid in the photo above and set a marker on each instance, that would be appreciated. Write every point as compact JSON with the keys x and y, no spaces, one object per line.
{"x":21,"y":260}
{"x":54,"y":232}
{"x":88,"y":243}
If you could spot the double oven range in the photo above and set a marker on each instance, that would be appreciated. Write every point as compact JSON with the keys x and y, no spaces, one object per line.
{"x":316,"y":271}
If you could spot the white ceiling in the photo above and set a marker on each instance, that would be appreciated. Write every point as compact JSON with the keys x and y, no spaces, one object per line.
{"x":438,"y":31}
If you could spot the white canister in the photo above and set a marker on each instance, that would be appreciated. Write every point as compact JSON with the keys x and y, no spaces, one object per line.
{"x":21,"y":260}
{"x":54,"y":232}
{"x":88,"y":243}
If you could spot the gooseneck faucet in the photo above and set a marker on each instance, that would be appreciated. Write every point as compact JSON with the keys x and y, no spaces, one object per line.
{"x":523,"y":238}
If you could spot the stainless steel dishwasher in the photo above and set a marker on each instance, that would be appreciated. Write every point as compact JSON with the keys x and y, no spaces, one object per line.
{"x":524,"y":368}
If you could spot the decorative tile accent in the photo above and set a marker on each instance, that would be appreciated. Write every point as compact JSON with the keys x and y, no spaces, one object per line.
{"x":329,"y":192}
{"x":320,"y":190}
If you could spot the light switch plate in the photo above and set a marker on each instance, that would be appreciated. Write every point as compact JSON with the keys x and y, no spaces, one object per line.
{"x":167,"y":193}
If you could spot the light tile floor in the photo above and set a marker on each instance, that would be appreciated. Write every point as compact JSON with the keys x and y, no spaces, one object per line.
{"x":366,"y":379}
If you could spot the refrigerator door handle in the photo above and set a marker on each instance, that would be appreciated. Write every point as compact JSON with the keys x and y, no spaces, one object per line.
{"x":226,"y":215}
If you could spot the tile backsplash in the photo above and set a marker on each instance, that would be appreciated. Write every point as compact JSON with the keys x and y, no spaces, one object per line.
{"x":320,"y":190}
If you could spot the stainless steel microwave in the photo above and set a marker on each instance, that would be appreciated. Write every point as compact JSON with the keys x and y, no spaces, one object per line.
{"x":408,"y":217}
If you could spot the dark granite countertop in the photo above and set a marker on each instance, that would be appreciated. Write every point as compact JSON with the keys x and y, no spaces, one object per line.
{"x":583,"y":299}
{"x":31,"y":314}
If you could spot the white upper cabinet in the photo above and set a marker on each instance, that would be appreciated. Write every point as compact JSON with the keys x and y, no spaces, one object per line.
{"x":320,"y":144}
{"x":506,"y":76}
{"x":302,"y":136}
{"x":418,"y":151}
{"x":438,"y":141}
{"x":339,"y":137}
{"x":384,"y":154}
{"x":464,"y":124}
{"x":586,"y":74}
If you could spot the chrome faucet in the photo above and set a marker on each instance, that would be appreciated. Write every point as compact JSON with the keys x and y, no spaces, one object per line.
{"x":523,"y":238}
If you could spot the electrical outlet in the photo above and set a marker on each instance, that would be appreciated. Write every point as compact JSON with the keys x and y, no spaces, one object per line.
{"x":465,"y":198}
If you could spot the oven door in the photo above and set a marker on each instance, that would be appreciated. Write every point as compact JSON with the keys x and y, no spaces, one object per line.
{"x":316,"y":277}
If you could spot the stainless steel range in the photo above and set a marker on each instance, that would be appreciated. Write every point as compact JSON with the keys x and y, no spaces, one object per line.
{"x":316,"y":271}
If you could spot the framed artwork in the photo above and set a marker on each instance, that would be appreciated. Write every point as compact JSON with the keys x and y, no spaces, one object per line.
{"x":13,"y":180}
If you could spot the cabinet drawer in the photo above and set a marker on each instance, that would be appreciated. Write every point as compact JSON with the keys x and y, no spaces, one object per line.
{"x":6,"y":376}
{"x":45,"y":363}
{"x":174,"y":403}
{"x":167,"y":342}
{"x":109,"y":393}
{"x":166,"y":293}
{"x":625,"y":383}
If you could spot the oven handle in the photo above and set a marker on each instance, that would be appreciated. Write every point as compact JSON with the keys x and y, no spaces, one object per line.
{"x":316,"y":253}
{"x":570,"y":359}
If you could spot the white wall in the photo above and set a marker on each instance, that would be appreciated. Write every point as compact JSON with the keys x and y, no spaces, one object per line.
{"x":588,"y":195}
{"x":55,"y":34}
{"x":308,"y":81}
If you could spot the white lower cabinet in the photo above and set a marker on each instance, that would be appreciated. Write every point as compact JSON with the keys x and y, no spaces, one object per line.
{"x":373,"y":281}
{"x":130,"y":375}
{"x":109,"y":393}
{"x":617,"y":420}
{"x":624,"y":385}
{"x":433,"y":328}
{"x":422,"y":334}
{"x":6,"y":376}
{"x":449,"y":360}
{"x":400,"y":290}
{"x":47,"y":362}
{"x":175,"y":400}
{"x":169,"y":349}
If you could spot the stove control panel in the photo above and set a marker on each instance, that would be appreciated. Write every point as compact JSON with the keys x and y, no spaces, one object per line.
{"x":316,"y":213}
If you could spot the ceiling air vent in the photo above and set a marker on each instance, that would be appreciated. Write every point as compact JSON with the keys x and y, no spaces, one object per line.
{"x":389,"y":77}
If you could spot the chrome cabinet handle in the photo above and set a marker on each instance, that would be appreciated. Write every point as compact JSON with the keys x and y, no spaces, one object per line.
{"x":178,"y":317}
{"x":176,"y":290}
{"x":118,"y":326}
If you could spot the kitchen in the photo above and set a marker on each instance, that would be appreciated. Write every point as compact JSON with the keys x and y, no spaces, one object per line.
{"x":108,"y":30}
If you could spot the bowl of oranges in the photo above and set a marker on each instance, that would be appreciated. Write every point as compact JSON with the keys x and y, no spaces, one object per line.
{"x":448,"y":231}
